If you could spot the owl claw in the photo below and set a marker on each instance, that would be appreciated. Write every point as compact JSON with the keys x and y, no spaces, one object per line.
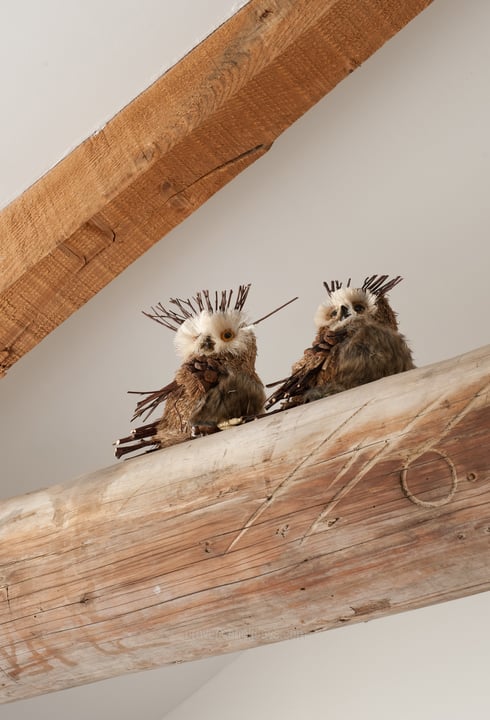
{"x":231,"y":422}
{"x":203,"y":429}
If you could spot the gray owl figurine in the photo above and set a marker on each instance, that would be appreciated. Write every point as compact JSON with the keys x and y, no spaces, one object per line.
{"x":357,"y":341}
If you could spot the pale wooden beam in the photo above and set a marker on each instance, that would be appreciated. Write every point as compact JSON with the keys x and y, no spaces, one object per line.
{"x":167,"y":152}
{"x":371,"y":502}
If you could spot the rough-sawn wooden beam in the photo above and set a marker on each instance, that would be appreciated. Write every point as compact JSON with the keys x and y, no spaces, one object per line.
{"x":161,"y":157}
{"x":371,"y":502}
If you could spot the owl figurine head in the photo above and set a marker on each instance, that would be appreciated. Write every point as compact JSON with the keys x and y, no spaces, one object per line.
{"x":211,"y":325}
{"x":226,"y":332}
{"x":345,"y":303}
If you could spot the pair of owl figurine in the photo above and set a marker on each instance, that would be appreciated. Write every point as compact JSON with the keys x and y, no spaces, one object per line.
{"x":357,"y":341}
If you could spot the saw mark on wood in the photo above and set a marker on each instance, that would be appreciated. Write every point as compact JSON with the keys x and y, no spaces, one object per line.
{"x":130,"y":497}
{"x":31,"y":661}
{"x":287,"y":480}
{"x":7,"y":353}
{"x":392,"y":443}
{"x":8,"y":598}
{"x":429,"y":446}
{"x":117,"y":649}
{"x":345,"y":489}
{"x":7,"y":675}
{"x":103,"y":233}
{"x":371,"y":607}
{"x":351,"y":484}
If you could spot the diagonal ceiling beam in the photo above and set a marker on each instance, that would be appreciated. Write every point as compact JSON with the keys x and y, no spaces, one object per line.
{"x":368,"y":503}
{"x":204,"y":121}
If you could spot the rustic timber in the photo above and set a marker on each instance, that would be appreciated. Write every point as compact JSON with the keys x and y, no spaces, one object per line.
{"x":371,"y":502}
{"x":168,"y":151}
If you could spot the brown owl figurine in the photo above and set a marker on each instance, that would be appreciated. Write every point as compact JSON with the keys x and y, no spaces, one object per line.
{"x":357,"y":341}
{"x":216,"y":384}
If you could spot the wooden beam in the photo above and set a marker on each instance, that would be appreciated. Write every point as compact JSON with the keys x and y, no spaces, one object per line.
{"x":371,"y":502}
{"x":167,"y":152}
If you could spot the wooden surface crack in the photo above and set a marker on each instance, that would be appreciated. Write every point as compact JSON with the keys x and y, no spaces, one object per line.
{"x":219,"y":168}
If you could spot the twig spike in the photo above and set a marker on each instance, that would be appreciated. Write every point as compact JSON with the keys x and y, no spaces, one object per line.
{"x":191,"y":307}
{"x":380,"y":284}
{"x":377,"y":284}
{"x":264,"y":317}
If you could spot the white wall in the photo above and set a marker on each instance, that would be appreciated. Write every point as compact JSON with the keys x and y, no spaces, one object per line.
{"x":429,"y":664}
{"x":389,"y":173}
{"x":68,"y":66}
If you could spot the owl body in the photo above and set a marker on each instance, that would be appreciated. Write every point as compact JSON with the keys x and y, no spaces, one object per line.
{"x":357,"y":342}
{"x":217,"y":381}
{"x":366,"y":352}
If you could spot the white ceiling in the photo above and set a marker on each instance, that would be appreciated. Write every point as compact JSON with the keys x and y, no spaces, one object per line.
{"x":68,"y":66}
{"x":389,"y":173}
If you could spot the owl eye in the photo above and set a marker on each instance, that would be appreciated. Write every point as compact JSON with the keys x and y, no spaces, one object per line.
{"x":227,"y":335}
{"x":359,"y":308}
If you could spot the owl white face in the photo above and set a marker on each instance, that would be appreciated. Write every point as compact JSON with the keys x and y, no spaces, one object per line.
{"x":216,"y":334}
{"x":343,"y":306}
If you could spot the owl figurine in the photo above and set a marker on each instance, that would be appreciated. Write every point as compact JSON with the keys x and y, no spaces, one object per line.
{"x":216,"y":384}
{"x":357,"y":341}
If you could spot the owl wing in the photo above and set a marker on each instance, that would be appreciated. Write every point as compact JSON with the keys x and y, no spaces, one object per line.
{"x":306,"y":371}
{"x":203,"y":374}
{"x":302,"y":377}
{"x":141,"y":437}
{"x":204,"y":370}
{"x":152,"y":400}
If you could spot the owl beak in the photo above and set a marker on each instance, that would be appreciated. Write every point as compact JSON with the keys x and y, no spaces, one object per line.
{"x":344,"y":312}
{"x":207,"y":343}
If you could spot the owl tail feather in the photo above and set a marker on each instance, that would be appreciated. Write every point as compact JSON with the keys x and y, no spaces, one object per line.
{"x":141,"y":437}
{"x":293,"y":388}
{"x":152,"y":399}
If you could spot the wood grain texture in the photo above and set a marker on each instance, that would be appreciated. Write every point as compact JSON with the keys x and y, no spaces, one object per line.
{"x":168,"y":151}
{"x":373,"y":501}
